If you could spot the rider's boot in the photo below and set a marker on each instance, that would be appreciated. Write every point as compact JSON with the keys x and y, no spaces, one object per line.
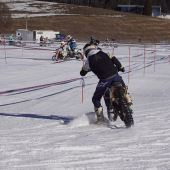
{"x":99,"y":114}
{"x":112,"y":116}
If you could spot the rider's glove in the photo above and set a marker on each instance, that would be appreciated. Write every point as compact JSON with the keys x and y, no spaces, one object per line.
{"x":83,"y":72}
{"x":122,"y":69}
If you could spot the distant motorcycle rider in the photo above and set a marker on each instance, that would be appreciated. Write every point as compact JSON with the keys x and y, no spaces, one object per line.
{"x":106,"y":68}
{"x":71,"y":42}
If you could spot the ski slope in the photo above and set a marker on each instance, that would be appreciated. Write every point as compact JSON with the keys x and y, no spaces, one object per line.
{"x":45,"y":125}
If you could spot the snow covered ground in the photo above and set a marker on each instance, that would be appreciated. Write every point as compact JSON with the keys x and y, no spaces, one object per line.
{"x":47,"y":127}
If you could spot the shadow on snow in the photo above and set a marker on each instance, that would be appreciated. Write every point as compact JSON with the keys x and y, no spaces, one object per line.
{"x":64,"y":119}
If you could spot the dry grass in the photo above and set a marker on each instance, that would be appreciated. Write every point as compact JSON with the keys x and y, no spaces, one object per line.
{"x":101,"y":23}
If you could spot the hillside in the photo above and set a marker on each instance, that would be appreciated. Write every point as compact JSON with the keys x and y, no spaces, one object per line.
{"x":82,"y":22}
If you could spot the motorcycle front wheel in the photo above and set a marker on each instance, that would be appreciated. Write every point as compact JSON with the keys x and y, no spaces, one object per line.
{"x":53,"y":58}
{"x":79,"y":56}
{"x":127,"y":114}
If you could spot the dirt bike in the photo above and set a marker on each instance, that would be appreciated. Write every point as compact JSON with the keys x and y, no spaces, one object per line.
{"x":58,"y":55}
{"x":69,"y":54}
{"x":119,"y":104}
{"x":75,"y":54}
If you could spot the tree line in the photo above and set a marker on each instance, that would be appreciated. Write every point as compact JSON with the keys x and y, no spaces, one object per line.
{"x":112,"y":4}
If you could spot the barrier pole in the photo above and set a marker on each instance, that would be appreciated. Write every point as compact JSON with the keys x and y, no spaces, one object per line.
{"x":144,"y":58}
{"x":82,"y":89}
{"x":5,"y":52}
{"x":155,"y":58}
{"x":113,"y":51}
{"x":82,"y":94}
{"x":22,"y":49}
{"x":129,"y":67}
{"x":83,"y":83}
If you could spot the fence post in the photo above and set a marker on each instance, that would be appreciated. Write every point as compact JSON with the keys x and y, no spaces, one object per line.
{"x":144,"y":58}
{"x":22,"y":49}
{"x":83,"y":83}
{"x":82,"y":89}
{"x":113,"y":52}
{"x":129,"y":67}
{"x":5,"y":51}
{"x":155,"y":58}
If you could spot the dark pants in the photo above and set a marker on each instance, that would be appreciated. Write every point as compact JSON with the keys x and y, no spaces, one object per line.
{"x":101,"y":88}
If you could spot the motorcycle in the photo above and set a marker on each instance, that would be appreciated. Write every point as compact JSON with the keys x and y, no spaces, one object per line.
{"x":68,"y":54}
{"x":119,"y":104}
{"x":75,"y":54}
{"x":59,"y":55}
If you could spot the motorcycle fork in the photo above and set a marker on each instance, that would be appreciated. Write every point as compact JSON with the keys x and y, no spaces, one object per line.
{"x":117,"y":99}
{"x":112,"y":112}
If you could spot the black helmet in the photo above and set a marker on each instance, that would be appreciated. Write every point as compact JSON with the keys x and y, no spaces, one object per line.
{"x":91,"y":45}
{"x":88,"y":47}
{"x":94,"y":41}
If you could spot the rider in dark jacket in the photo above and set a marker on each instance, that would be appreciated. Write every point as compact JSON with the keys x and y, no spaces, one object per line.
{"x":106,"y":68}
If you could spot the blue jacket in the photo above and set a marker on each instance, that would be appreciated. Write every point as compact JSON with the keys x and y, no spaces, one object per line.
{"x":72,"y":44}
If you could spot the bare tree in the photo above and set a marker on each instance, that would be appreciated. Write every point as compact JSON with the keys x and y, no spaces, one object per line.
{"x":148,"y":8}
{"x":5,"y":17}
